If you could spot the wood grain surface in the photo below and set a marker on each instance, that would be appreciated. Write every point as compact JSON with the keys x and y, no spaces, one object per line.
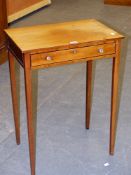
{"x":61,"y":36}
{"x":72,"y":54}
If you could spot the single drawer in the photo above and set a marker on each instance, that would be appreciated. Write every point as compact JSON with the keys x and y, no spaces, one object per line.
{"x":72,"y":54}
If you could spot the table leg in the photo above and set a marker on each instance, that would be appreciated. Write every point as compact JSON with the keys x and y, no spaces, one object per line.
{"x":115,"y":74}
{"x":14,"y":96}
{"x":30,"y":121}
{"x":88,"y":92}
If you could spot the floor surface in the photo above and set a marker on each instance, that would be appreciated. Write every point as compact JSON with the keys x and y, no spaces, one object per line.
{"x":64,"y":147}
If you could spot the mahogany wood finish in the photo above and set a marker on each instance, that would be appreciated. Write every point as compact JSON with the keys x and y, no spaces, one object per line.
{"x":77,"y":34}
{"x":14,"y":96}
{"x":59,"y":44}
{"x":30,"y":121}
{"x":118,"y":2}
{"x":88,"y":92}
{"x":3,"y":25}
{"x":115,"y":73}
{"x":71,"y":54}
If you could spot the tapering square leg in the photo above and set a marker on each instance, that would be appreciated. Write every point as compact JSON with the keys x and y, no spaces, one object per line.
{"x":113,"y":120}
{"x":88,"y":92}
{"x":14,"y":96}
{"x":30,"y":121}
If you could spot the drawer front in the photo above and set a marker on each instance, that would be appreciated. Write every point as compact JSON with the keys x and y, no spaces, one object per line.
{"x":72,"y":54}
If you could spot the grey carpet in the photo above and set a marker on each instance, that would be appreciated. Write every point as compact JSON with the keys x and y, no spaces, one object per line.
{"x":64,"y":147}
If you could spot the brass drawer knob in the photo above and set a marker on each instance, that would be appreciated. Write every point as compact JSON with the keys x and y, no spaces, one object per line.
{"x":101,"y":50}
{"x":49,"y":58}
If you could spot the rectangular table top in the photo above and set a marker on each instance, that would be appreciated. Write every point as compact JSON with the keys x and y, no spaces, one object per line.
{"x":60,"y":35}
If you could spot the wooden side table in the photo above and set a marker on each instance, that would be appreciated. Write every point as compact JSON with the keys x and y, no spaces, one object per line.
{"x":58,"y":44}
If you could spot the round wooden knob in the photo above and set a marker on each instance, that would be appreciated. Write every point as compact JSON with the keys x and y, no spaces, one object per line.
{"x":101,"y":50}
{"x":49,"y":58}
